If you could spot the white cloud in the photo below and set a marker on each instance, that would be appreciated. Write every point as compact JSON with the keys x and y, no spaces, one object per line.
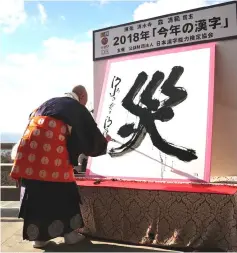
{"x":27,"y":80}
{"x":19,"y":59}
{"x":12,"y":15}
{"x":42,"y":13}
{"x":162,"y":7}
{"x":62,"y":18}
{"x":103,"y":2}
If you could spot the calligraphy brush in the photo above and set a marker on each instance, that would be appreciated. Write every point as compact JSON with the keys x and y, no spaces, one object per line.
{"x":141,"y":153}
{"x":166,"y":166}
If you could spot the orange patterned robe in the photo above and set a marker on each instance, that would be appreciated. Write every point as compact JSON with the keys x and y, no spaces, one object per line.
{"x":42,"y":153}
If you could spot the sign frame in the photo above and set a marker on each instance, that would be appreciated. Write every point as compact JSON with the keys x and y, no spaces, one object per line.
{"x":164,"y":47}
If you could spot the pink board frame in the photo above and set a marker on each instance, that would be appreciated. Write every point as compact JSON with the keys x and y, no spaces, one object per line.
{"x":207,"y":169}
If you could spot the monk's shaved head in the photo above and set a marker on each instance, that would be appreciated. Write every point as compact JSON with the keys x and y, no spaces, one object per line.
{"x":81,"y":92}
{"x":78,"y":89}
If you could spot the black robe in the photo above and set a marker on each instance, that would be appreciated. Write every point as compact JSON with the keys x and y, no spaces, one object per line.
{"x":85,"y":136}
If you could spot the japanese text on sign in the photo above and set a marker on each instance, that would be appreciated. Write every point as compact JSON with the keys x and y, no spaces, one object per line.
{"x":214,"y":22}
{"x":114,"y":90}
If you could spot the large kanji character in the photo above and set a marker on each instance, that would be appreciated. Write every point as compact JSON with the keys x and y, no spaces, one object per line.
{"x":153,"y":110}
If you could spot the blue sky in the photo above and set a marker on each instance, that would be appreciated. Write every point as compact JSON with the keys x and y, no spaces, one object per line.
{"x":46,"y":47}
{"x":70,"y":20}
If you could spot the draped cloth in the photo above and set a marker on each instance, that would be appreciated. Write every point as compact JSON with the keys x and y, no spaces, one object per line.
{"x":42,"y":153}
{"x":49,"y":209}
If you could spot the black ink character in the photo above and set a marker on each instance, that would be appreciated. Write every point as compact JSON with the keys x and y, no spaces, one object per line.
{"x":153,"y":110}
{"x":145,"y":35}
{"x":108,"y":122}
{"x":201,"y":25}
{"x":161,"y":31}
{"x":187,"y":28}
{"x":214,"y":22}
{"x":114,"y":85}
{"x":175,"y":29}
{"x":176,"y":19}
{"x":170,"y":20}
{"x":111,"y":107}
{"x":160,"y":22}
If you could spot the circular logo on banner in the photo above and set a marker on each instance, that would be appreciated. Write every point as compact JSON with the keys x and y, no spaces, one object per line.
{"x":104,"y":41}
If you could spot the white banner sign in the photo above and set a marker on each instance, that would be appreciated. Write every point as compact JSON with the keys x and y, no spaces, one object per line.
{"x":157,"y":107}
{"x":190,"y":27}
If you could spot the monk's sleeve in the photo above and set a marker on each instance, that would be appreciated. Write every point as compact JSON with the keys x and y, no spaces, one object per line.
{"x":95,"y":142}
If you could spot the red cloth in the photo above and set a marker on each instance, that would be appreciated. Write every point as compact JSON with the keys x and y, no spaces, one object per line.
{"x":156,"y":186}
{"x":42,"y":153}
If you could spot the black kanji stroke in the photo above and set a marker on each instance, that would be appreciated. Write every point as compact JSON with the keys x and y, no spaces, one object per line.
{"x":114,"y":85}
{"x":154,"y":110}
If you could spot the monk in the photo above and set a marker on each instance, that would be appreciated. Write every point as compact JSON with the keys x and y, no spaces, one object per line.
{"x":58,"y":132}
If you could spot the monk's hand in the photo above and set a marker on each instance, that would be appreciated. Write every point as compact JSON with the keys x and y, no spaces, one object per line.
{"x":108,"y":138}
